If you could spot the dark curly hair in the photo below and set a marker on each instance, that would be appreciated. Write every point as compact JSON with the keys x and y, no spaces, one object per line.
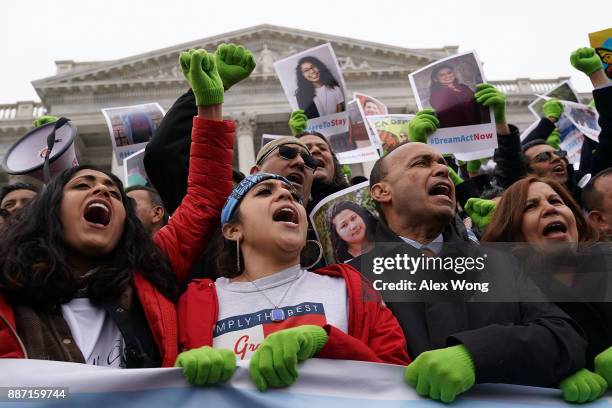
{"x":34,"y":270}
{"x":341,"y":253}
{"x":305,"y":92}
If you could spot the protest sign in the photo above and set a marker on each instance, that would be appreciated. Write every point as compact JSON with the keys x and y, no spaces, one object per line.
{"x":601,"y":41}
{"x":345,"y":222}
{"x":564,"y":92}
{"x":134,"y":172}
{"x":448,"y":86}
{"x":131,"y":127}
{"x":391,"y":130}
{"x":584,"y":118}
{"x":312,"y":81}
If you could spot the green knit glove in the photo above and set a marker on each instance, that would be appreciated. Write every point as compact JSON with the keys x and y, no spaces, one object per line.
{"x":275,"y":361}
{"x":234,"y":63}
{"x":454,"y":177}
{"x":297,"y":122}
{"x":489,"y":96}
{"x":473,"y":166}
{"x":206,"y":365}
{"x":586,"y":60}
{"x":200,"y":70}
{"x":554,"y":139}
{"x":603,"y":364}
{"x":552,"y":108}
{"x":442,"y":374}
{"x":481,"y":211}
{"x":422,"y":125}
{"x":43,"y":120}
{"x":583,"y":386}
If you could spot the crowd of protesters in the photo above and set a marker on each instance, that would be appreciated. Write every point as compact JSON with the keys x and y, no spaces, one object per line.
{"x":155,"y":277}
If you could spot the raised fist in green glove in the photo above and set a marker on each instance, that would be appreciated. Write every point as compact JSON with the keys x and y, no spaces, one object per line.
{"x":554,"y":139}
{"x":206,"y":365}
{"x":234,"y":63}
{"x":489,"y":96}
{"x":422,"y":125}
{"x":603,"y":364}
{"x":583,"y":386}
{"x":454,"y":177}
{"x":586,"y":60}
{"x":43,"y":120}
{"x":442,"y":374}
{"x":481,"y":211}
{"x":274,"y":363}
{"x":552,"y":108}
{"x":200,"y":70}
{"x":298,"y":122}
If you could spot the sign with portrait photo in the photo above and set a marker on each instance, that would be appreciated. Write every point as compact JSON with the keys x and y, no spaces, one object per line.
{"x":564,"y":92}
{"x":345,"y":223}
{"x":365,"y":147}
{"x":601,"y":41}
{"x":134,"y":172}
{"x":131,"y":127}
{"x":584,"y":118}
{"x":390,"y":130}
{"x":312,"y":81}
{"x":448,"y":87}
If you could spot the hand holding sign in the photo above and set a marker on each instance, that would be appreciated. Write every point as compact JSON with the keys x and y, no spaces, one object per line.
{"x":234,"y":63}
{"x":298,"y":122}
{"x":422,"y":125}
{"x":200,"y":70}
{"x":489,"y":96}
{"x":206,"y":365}
{"x":552,"y":109}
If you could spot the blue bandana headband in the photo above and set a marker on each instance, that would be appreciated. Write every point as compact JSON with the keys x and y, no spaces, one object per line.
{"x":242,"y":189}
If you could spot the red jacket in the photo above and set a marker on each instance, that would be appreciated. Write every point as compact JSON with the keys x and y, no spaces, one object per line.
{"x":183,"y":240}
{"x":373,"y":332}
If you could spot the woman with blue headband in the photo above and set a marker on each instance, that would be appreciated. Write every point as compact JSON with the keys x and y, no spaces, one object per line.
{"x":268,"y":308}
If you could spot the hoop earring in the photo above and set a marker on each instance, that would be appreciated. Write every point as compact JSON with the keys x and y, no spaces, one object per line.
{"x":238,"y":255}
{"x":318,"y":257}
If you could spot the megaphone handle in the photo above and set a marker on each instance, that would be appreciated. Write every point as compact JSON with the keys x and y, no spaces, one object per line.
{"x":50,"y":143}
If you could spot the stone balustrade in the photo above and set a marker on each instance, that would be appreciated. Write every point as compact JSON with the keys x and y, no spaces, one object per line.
{"x":22,"y":110}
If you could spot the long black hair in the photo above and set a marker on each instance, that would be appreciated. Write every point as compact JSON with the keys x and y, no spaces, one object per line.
{"x":34,"y":270}
{"x":305,"y":92}
{"x":340,"y":246}
{"x":435,"y":85}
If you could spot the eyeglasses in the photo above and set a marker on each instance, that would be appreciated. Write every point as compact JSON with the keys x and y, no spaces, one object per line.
{"x":289,"y":153}
{"x":547,"y":156}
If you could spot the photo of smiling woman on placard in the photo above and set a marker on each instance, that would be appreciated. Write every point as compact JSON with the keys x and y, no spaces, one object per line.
{"x":351,"y":228}
{"x":312,"y":81}
{"x":318,"y":92}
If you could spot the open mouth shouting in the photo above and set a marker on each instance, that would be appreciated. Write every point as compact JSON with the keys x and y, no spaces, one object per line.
{"x":555,"y":230}
{"x":287,"y":216}
{"x":559,"y":170}
{"x":98,"y":213}
{"x":441,"y":190}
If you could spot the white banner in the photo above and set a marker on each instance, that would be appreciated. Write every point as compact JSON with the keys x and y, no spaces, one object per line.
{"x":322,"y":383}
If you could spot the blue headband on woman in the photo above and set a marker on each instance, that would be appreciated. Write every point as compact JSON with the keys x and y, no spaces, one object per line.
{"x":242,"y":189}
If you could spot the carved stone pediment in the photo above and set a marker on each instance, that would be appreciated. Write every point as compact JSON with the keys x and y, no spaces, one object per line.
{"x":268,"y":43}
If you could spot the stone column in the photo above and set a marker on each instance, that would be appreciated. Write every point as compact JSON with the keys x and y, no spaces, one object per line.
{"x":245,"y":129}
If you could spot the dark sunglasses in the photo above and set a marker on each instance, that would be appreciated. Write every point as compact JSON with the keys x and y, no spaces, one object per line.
{"x":289,"y":153}
{"x":547,"y":156}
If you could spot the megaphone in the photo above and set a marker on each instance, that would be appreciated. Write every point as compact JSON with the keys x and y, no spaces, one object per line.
{"x":27,"y":155}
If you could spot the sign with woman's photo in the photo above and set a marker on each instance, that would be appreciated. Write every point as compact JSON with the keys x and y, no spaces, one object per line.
{"x":131,"y":127}
{"x":345,"y":223}
{"x":312,"y":81}
{"x":391,"y":130}
{"x":448,"y":86}
{"x":564,"y":92}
